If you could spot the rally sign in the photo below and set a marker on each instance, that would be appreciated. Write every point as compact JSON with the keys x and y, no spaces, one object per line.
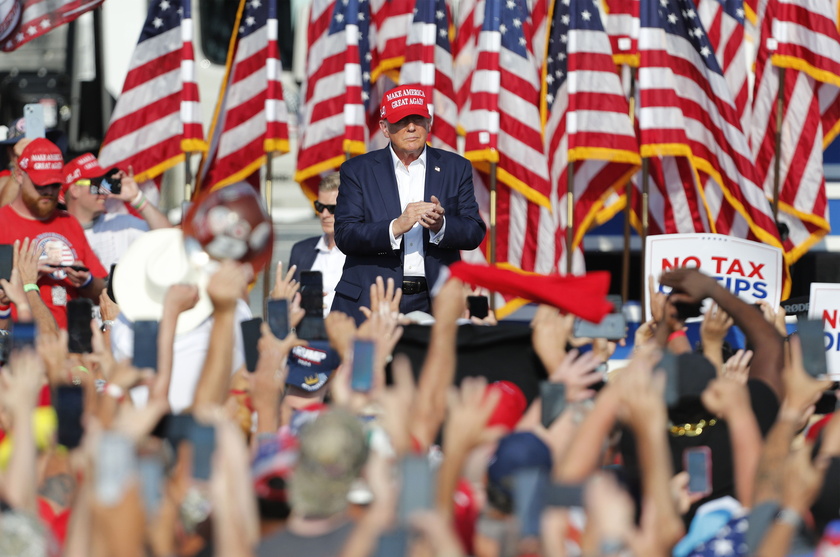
{"x":825,"y":305}
{"x":750,"y":270}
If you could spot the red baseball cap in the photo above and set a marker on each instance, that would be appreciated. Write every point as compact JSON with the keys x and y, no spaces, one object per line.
{"x":511,"y":406}
{"x":406,"y":100}
{"x":42,"y":161}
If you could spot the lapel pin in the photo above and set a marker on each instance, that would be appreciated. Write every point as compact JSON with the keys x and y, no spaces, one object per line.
{"x":437,"y":169}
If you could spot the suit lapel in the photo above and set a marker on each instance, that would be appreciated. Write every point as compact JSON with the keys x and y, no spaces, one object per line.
{"x":386,"y":181}
{"x":433,"y":175}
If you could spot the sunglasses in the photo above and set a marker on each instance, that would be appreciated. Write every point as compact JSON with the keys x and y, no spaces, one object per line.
{"x":320,"y":207}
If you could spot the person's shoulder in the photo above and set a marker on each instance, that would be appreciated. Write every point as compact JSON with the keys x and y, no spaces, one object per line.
{"x":118,"y":221}
{"x":365,"y":159}
{"x":306,"y":242}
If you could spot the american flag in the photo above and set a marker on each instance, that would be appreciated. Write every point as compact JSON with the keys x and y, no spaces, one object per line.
{"x":251,"y":116}
{"x":539,"y":30}
{"x":156,"y":118}
{"x":465,"y":52}
{"x":724,"y":22}
{"x":503,"y":125}
{"x":807,"y":38}
{"x":586,"y":118}
{"x":391,"y":20}
{"x":337,"y":90}
{"x":428,"y":62}
{"x":803,"y":206}
{"x":38,"y":17}
{"x":622,"y":27}
{"x":686,"y":109}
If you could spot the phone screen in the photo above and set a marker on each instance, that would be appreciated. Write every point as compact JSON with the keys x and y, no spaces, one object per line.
{"x":418,"y":487}
{"x":529,"y":487}
{"x":564,"y":495}
{"x":145,"y":344}
{"x":698,"y":464}
{"x":669,"y":364}
{"x":277,"y":313}
{"x":203,"y":439}
{"x":812,"y":340}
{"x":553,"y":401}
{"x":152,"y":477}
{"x":312,"y":293}
{"x":6,"y":261}
{"x":79,"y":335}
{"x":116,"y":464}
{"x":69,"y":407}
{"x":612,"y":327}
{"x":362,"y":376}
{"x":478,"y":306}
{"x":109,"y":289}
{"x":250,"y":338}
{"x":23,"y":334}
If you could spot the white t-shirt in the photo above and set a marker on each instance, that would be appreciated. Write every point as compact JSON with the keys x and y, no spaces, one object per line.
{"x":190,"y":351}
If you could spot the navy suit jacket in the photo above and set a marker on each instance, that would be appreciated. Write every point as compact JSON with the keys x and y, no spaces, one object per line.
{"x":368,"y":200}
{"x":303,"y":255}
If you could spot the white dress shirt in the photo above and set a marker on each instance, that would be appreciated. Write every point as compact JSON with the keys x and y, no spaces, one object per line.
{"x":411,"y":183}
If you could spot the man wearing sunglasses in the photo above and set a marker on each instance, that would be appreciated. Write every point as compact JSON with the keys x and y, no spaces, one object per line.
{"x":404,"y":212}
{"x":86,"y":188}
{"x":319,"y":253}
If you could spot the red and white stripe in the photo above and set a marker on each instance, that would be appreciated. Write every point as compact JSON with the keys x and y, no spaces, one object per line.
{"x":245,"y":112}
{"x":38,"y":17}
{"x":727,"y":36}
{"x":465,"y":51}
{"x":429,"y":64}
{"x":324,"y":143}
{"x":390,"y":23}
{"x":157,"y":117}
{"x":622,"y":26}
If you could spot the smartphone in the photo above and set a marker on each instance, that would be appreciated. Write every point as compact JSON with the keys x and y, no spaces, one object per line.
{"x":529,"y":489}
{"x":7,"y":255}
{"x":479,"y":306}
{"x":312,"y":293}
{"x":250,"y":338}
{"x":564,"y":495}
{"x":109,"y":288}
{"x":33,"y":117}
{"x":553,"y":401}
{"x":697,"y":461}
{"x":394,"y":542}
{"x":69,"y":406}
{"x":277,"y":314}
{"x":152,"y":474}
{"x":111,"y":183}
{"x":79,"y":335}
{"x":670,"y":365}
{"x":418,"y":487}
{"x":812,"y":339}
{"x":687,"y":310}
{"x":612,"y":327}
{"x":361,"y":378}
{"x":203,"y":440}
{"x":23,"y":334}
{"x":116,"y":464}
{"x":145,"y":345}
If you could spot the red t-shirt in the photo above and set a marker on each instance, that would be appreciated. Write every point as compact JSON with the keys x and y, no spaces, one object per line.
{"x":62,"y":241}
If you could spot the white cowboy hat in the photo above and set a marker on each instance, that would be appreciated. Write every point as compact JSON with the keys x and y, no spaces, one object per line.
{"x":154,"y":262}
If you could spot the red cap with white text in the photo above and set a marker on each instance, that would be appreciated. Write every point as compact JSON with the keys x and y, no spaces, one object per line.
{"x":42,"y":161}
{"x":406,"y":100}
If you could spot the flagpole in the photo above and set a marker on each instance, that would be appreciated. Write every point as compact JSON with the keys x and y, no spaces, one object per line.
{"x":570,"y":215}
{"x":628,"y":191}
{"x":645,"y":179}
{"x":188,"y":178}
{"x":268,"y":197}
{"x":777,"y":164}
{"x":493,"y":225}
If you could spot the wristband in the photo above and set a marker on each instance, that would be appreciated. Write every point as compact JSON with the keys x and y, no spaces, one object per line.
{"x":115,"y":391}
{"x":107,"y":324}
{"x":790,"y":516}
{"x":139,"y":201}
{"x":676,"y":335}
{"x":88,"y":281}
{"x":31,"y":287}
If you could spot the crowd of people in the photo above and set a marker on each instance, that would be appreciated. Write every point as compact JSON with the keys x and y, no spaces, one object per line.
{"x":678,"y":450}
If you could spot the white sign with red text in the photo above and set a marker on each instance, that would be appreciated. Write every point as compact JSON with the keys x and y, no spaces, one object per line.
{"x":750,"y":270}
{"x":825,"y":305}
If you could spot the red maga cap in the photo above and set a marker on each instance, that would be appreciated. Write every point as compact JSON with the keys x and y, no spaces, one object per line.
{"x":406,"y":100}
{"x":42,"y":161}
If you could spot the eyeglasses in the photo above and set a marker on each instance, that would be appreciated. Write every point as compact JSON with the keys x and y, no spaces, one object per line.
{"x":320,"y":207}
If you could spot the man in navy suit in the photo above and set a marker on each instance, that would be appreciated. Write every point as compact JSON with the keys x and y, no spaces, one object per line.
{"x":319,"y":253}
{"x":403,"y":212}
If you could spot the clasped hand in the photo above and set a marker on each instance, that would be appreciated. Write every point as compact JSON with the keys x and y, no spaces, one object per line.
{"x":428,"y":213}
